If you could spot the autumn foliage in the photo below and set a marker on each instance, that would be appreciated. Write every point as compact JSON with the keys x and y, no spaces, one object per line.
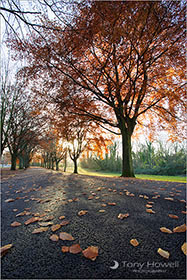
{"x":119,"y":63}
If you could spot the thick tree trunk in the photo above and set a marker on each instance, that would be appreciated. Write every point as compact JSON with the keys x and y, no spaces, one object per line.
{"x":75,"y":166}
{"x":57,"y":165}
{"x":21,"y":162}
{"x":127,"y":164}
{"x":13,"y":162}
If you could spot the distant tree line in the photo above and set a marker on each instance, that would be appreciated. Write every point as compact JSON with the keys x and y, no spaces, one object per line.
{"x":148,"y":159}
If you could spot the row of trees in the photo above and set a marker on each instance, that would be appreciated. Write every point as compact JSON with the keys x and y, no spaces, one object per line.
{"x":156,"y":159}
{"x":20,"y":128}
{"x":118,"y":64}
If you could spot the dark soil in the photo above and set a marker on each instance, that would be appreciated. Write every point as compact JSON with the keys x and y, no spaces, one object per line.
{"x":35,"y":256}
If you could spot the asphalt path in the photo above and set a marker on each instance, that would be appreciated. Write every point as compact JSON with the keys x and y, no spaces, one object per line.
{"x":35,"y":256}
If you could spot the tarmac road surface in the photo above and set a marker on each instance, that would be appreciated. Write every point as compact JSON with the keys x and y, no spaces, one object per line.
{"x":35,"y":256}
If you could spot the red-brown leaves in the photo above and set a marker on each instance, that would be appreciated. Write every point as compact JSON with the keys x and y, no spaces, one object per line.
{"x":75,"y":249}
{"x":163,"y":253}
{"x":39,"y":230}
{"x":15,"y":224}
{"x":66,"y":236}
{"x":165,"y":230}
{"x":10,"y":200}
{"x":5,"y":249}
{"x":54,"y":237}
{"x":65,"y":249}
{"x":173,"y":216}
{"x":123,"y":216}
{"x":32,"y":220}
{"x":181,"y":228}
{"x":82,"y":212}
{"x":91,"y":252}
{"x":134,"y":242}
{"x":55,"y":227}
{"x":64,"y":223}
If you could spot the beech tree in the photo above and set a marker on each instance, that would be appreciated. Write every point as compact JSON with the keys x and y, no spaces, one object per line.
{"x":120,"y":63}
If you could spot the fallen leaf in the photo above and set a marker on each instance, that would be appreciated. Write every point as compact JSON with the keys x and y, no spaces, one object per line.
{"x":82,"y":212}
{"x":39,"y":230}
{"x":90,"y":197}
{"x":46,"y":219}
{"x":173,"y":216}
{"x":75,"y":249}
{"x":169,"y":198}
{"x":148,"y":206}
{"x":45,"y":224}
{"x":5,"y":249}
{"x":91,"y":252}
{"x":10,"y":200}
{"x":163,"y":253}
{"x":15,"y":224}
{"x":181,"y":228}
{"x":64,"y":223}
{"x":55,"y":227}
{"x":184,"y":212}
{"x":122,"y":216}
{"x":66,"y":236}
{"x":166,"y":230}
{"x":65,"y":249}
{"x":54,"y":237}
{"x":184,"y":249}
{"x":101,"y":211}
{"x":134,"y":242}
{"x":103,"y":205}
{"x":150,"y":211}
{"x":61,"y":217}
{"x":111,"y":203}
{"x":32,"y":220}
{"x":15,"y":210}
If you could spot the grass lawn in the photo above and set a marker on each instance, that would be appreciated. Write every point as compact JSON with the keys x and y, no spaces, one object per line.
{"x":139,"y":176}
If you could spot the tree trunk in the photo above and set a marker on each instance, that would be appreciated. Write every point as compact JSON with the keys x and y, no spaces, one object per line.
{"x":57,"y":165}
{"x":21,"y":162}
{"x":127,"y":164}
{"x":13,"y":162}
{"x":65,"y":163}
{"x":75,"y":166}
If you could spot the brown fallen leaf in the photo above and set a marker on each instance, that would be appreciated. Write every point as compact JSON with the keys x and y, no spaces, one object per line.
{"x":65,"y":249}
{"x":66,"y":236}
{"x":39,"y":230}
{"x":169,"y":198}
{"x":55,"y":227}
{"x":148,"y":206}
{"x":122,"y":216}
{"x":24,"y":213}
{"x":111,"y":203}
{"x":61,"y":217}
{"x":184,"y":248}
{"x":54,"y":237}
{"x":101,"y":211}
{"x":181,"y":228}
{"x":9,"y":200}
{"x":82,"y":212}
{"x":5,"y":249}
{"x":90,"y":197}
{"x":15,"y":210}
{"x":173,"y":216}
{"x":184,"y":212}
{"x":166,"y":230}
{"x":91,"y":252}
{"x":163,"y":253}
{"x":15,"y":224}
{"x":75,"y":249}
{"x":134,"y":242}
{"x":103,"y":205}
{"x":64,"y":223}
{"x":49,"y":218}
{"x":45,"y":224}
{"x":150,"y":211}
{"x":32,"y":220}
